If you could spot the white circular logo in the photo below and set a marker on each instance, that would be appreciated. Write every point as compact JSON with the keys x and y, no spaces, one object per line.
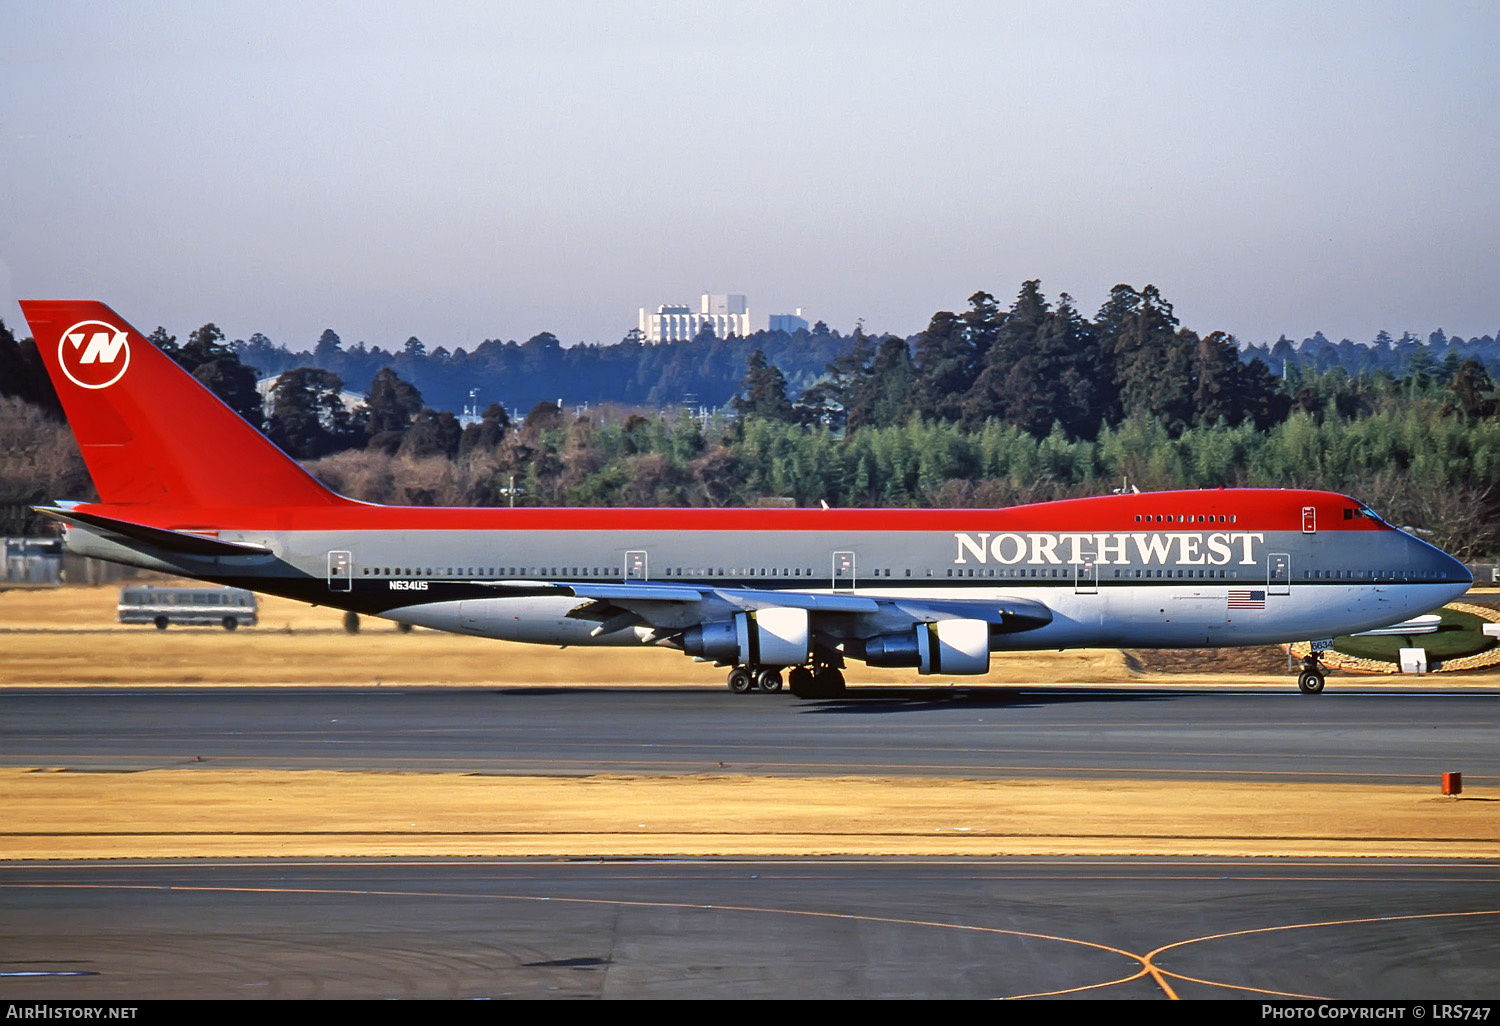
{"x":94,"y":354}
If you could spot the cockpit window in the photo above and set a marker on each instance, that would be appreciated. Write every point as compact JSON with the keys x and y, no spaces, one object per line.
{"x":1363,"y":513}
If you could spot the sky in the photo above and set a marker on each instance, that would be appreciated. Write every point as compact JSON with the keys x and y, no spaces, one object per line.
{"x":463,"y":171}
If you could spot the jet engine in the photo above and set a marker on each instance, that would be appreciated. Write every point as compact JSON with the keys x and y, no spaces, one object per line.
{"x":944,"y":646}
{"x":760,"y":637}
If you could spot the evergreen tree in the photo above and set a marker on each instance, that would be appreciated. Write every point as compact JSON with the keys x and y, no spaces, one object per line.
{"x":213,"y":361}
{"x":205,"y":345}
{"x":390,"y":404}
{"x":329,"y":350}
{"x":433,"y":433}
{"x":1472,"y":391}
{"x":488,"y":434}
{"x":946,"y":366}
{"x":308,"y":418}
{"x":886,"y":393}
{"x":165,"y":342}
{"x":762,"y":391}
{"x":23,"y":375}
{"x":234,"y":383}
{"x":1152,"y":361}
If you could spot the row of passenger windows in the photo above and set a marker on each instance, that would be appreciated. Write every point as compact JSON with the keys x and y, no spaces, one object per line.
{"x":1117,"y":574}
{"x":1164,"y":574}
{"x":1006,"y":573}
{"x":609,"y":572}
{"x":1185,"y":518}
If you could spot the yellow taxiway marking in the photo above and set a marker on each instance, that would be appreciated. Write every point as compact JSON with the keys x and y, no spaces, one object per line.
{"x":1147,"y":962}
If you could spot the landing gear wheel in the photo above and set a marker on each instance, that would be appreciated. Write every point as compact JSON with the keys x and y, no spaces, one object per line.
{"x":161,"y":623}
{"x":230,"y":623}
{"x":1310,"y":682}
{"x":799,"y":680}
{"x":768,"y":680}
{"x":740,"y":681}
{"x":828,"y":682}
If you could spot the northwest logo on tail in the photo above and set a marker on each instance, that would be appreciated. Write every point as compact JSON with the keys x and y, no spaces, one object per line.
{"x":93,"y":354}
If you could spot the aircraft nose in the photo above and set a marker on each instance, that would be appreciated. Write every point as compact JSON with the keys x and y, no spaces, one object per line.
{"x":1458,"y":573}
{"x":1447,"y":570}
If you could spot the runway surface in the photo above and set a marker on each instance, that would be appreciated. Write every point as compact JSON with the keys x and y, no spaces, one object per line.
{"x":1386,"y":736}
{"x":970,"y":928}
{"x":847,"y":928}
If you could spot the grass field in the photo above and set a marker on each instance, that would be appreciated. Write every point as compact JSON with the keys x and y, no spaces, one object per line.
{"x":69,"y":636}
{"x":1459,"y":634}
{"x":187,"y":813}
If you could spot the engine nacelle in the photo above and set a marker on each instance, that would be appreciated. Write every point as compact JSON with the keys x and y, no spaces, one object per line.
{"x":946,"y":646}
{"x":760,"y":637}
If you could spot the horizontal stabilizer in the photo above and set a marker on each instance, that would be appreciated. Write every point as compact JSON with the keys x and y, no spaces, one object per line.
{"x":157,"y":537}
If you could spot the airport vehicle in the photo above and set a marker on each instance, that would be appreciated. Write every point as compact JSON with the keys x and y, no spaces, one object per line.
{"x":761,"y":592}
{"x":229,"y":608}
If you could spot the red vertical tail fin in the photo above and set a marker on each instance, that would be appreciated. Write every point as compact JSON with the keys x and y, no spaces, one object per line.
{"x":149,"y":431}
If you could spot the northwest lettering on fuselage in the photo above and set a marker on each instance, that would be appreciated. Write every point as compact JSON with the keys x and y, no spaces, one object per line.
{"x":1170,"y":548}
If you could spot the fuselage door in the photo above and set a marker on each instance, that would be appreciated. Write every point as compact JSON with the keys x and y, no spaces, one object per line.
{"x":635,"y":565}
{"x":340,"y":567}
{"x":1278,"y":574}
{"x":1086,"y":576}
{"x":843,"y":571}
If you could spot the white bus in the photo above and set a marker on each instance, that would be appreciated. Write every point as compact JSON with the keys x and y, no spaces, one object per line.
{"x":192,"y":607}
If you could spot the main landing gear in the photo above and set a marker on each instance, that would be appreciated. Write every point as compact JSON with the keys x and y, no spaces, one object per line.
{"x":743,"y":679}
{"x":821,"y":681}
{"x":1310,"y":681}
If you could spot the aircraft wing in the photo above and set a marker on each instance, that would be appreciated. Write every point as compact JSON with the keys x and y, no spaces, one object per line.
{"x":669,"y":605}
{"x":628,"y":592}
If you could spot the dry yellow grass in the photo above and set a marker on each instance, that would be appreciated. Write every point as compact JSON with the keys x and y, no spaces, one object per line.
{"x":68,"y":636}
{"x":201,"y":812}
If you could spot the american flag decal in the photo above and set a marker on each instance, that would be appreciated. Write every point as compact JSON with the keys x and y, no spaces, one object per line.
{"x":1244,"y":598}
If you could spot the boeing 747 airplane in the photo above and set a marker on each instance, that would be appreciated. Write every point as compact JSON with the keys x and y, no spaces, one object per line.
{"x":187,"y":487}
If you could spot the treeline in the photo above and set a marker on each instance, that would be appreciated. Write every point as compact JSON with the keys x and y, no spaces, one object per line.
{"x":1037,"y":365}
{"x":1440,"y":353}
{"x":707,"y":370}
{"x":518,"y":375}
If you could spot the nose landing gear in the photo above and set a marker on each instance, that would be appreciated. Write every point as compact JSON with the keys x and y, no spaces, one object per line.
{"x":1310,"y":681}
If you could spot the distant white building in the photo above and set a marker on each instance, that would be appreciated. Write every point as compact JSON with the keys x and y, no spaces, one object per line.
{"x":727,"y":314}
{"x":789,"y":323}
